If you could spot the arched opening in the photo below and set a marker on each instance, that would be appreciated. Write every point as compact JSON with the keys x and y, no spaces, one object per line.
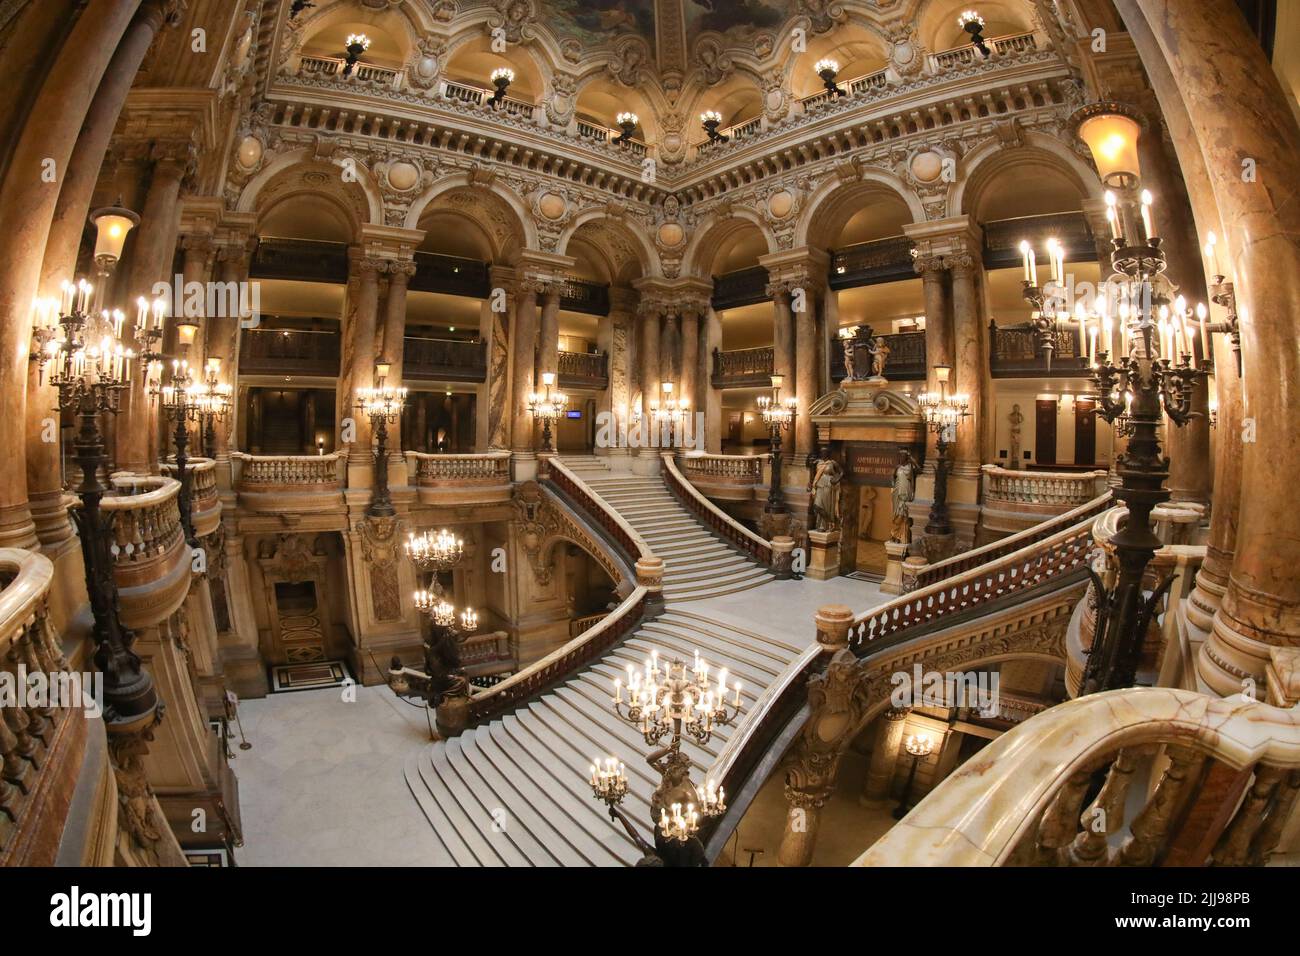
{"x":471,"y":64}
{"x":738,"y":101}
{"x":940,"y":32}
{"x":601,"y":100}
{"x":859,"y":52}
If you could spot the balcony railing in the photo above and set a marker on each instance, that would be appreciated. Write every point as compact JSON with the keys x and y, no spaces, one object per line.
{"x":742,"y":287}
{"x":460,"y":479}
{"x":484,"y":655}
{"x":478,"y":96}
{"x":603,"y":134}
{"x":205,"y":500}
{"x":743,"y":368}
{"x":871,"y":263}
{"x":906,"y":358}
{"x":1062,"y":490}
{"x":1002,"y":238}
{"x":151,"y":558}
{"x":301,"y":259}
{"x":583,"y":370}
{"x":289,"y":352}
{"x":969,"y":56}
{"x":363,"y":74}
{"x":287,"y":484}
{"x":729,"y":478}
{"x":579,"y":295}
{"x":451,"y":275}
{"x":1015,"y":353}
{"x":444,"y":360}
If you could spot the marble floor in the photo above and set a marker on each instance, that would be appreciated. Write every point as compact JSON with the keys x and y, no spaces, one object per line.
{"x":323,"y":783}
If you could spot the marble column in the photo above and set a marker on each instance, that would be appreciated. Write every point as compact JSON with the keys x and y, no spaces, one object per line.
{"x":884,"y":755}
{"x":357,"y":367}
{"x":48,"y":136}
{"x":938,"y":331}
{"x":669,"y":352}
{"x":1242,"y":121}
{"x":805,"y":384}
{"x":548,"y":356}
{"x":711,"y":341}
{"x":1190,"y":466}
{"x":968,"y":374}
{"x":155,"y":244}
{"x":222,"y":342}
{"x":399,"y":278}
{"x":690,"y":359}
{"x":523,"y":351}
{"x":651,"y":330}
{"x":783,"y":344}
{"x":614,"y":403}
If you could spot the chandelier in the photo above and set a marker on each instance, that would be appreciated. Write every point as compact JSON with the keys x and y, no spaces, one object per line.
{"x":973,"y":24}
{"x":828,"y":69}
{"x":501,"y":78}
{"x":434,"y":552}
{"x":667,"y":703}
{"x":1045,"y":301}
{"x":358,"y":43}
{"x":943,"y":413}
{"x":711,"y":120}
{"x":547,"y":407}
{"x":627,"y":122}
{"x":382,"y":404}
{"x":671,"y":415}
{"x":214,"y":400}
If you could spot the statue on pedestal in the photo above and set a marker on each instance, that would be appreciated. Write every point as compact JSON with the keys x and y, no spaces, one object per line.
{"x":1016,"y":419}
{"x":903,"y":492}
{"x":879,"y":358}
{"x":825,"y":488}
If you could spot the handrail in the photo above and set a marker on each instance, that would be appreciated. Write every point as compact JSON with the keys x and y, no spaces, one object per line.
{"x":724,"y":466}
{"x":957,"y":564}
{"x":27,"y":577}
{"x":287,"y":469}
{"x":597,"y":511}
{"x":492,"y":465}
{"x":1036,"y":775}
{"x":1041,"y":487}
{"x":713,"y":516}
{"x":561,"y":662}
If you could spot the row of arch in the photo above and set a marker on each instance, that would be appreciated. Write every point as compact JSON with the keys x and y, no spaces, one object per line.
{"x":296,"y":192}
{"x":860,"y":43}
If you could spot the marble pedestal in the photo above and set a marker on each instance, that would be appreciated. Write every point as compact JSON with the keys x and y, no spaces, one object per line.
{"x":895,"y":555}
{"x":824,"y":555}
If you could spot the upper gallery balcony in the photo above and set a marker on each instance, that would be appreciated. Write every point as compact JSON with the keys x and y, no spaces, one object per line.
{"x":152,"y":562}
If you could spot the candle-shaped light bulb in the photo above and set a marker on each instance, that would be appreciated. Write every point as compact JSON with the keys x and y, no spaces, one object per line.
{"x":1024,"y":255}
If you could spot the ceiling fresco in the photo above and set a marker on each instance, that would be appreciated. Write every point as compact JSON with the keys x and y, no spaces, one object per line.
{"x":598,"y":21}
{"x":733,"y":16}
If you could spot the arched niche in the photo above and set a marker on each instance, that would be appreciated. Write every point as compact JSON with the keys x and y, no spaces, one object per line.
{"x":473,"y":60}
{"x":842,"y":214}
{"x":937,"y":21}
{"x":738,"y":99}
{"x":309,"y":181}
{"x":727,"y":245}
{"x":307,"y":215}
{"x":601,"y":99}
{"x":452,"y":232}
{"x":624,"y":252}
{"x":1037,"y":178}
{"x":856,"y":49}
{"x":497,"y":214}
{"x":391,"y":35}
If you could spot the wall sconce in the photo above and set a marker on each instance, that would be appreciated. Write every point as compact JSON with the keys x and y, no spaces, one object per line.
{"x":712,"y":119}
{"x":112,"y":223}
{"x":627,"y":123}
{"x":358,"y":43}
{"x":501,"y":78}
{"x":828,"y":69}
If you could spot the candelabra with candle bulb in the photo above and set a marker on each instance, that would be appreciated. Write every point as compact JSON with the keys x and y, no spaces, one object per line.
{"x":670,"y":416}
{"x":665,"y":703}
{"x":1223,"y":295}
{"x":711,"y":120}
{"x":627,"y":123}
{"x":442,"y":686}
{"x":547,"y":407}
{"x":1046,"y":312}
{"x":215,"y":401}
{"x":828,"y":69}
{"x":383,"y":406}
{"x":89,"y":366}
{"x":180,"y":405}
{"x":358,"y":43}
{"x":918,"y":746}
{"x":1154,"y":377}
{"x":778,"y":415}
{"x":501,"y":79}
{"x":973,"y":24}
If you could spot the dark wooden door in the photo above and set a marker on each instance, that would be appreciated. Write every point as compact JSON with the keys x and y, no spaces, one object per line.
{"x":1045,"y":431}
{"x":1085,"y":432}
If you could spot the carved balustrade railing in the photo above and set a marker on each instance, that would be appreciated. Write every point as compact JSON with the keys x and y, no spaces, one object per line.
{"x":733,"y":469}
{"x":1057,"y":489}
{"x":967,"y":561}
{"x":603,"y":134}
{"x":256,"y":472}
{"x":1186,"y":780}
{"x":581,"y":625}
{"x":460,"y":479}
{"x":713,"y":517}
{"x":1002,"y":238}
{"x":871,"y":263}
{"x":743,"y":368}
{"x":1015,"y":352}
{"x":582,"y":295}
{"x":742,"y":287}
{"x":485,"y":654}
{"x":961,"y":56}
{"x":288,"y":352}
{"x":363,"y":74}
{"x":37,"y":736}
{"x":446,"y":360}
{"x":152,"y":561}
{"x":205,"y":497}
{"x":583,"y":370}
{"x":478,"y":96}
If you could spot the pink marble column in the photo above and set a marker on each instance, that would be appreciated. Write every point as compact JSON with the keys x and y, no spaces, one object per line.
{"x":968,"y":375}
{"x":548,"y":356}
{"x":711,"y":340}
{"x":399,"y":279}
{"x":523,"y":354}
{"x":222,"y":341}
{"x":48,"y":136}
{"x":690,"y":352}
{"x":1242,"y":120}
{"x":151,"y":259}
{"x":357,"y":365}
{"x":805,"y":359}
{"x":938,"y":331}
{"x":650,"y":371}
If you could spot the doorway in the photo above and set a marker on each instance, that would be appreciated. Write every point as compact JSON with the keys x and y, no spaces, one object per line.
{"x":1045,"y":431}
{"x":1085,"y":431}
{"x":298,"y":618}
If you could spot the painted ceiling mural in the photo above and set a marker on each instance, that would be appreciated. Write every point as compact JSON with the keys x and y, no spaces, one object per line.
{"x":733,"y":16}
{"x":598,"y":21}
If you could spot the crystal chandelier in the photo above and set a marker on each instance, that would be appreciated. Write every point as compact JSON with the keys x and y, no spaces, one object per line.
{"x":434,"y":552}
{"x":501,"y":78}
{"x":627,"y":123}
{"x":711,"y":120}
{"x":828,"y":69}
{"x":358,"y":43}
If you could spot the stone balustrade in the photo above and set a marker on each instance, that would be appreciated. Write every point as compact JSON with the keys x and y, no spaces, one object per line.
{"x":486,"y":655}
{"x":287,"y":484}
{"x":1017,"y":500}
{"x":714,"y":517}
{"x":205,"y":497}
{"x":152,"y":560}
{"x":581,"y":625}
{"x":459,"y":479}
{"x":725,"y":477}
{"x":1021,"y":802}
{"x":40,"y":740}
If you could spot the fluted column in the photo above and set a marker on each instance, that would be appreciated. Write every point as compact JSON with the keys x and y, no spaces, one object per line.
{"x":49,"y":135}
{"x":399,"y":279}
{"x":523,"y":348}
{"x":711,"y":341}
{"x":969,"y":365}
{"x":1238,"y":111}
{"x":155,"y":243}
{"x":548,"y":355}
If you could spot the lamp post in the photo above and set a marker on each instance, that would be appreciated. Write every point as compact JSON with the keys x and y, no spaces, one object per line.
{"x":778,"y":414}
{"x":1154,"y":377}
{"x":828,"y":69}
{"x":943,"y":414}
{"x":358,"y":43}
{"x":90,"y":366}
{"x":382,"y":405}
{"x":180,"y":405}
{"x":664,"y":703}
{"x":546,"y":407}
{"x":919,"y":746}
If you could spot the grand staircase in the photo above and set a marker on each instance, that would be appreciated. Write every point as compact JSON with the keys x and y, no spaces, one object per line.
{"x":513,"y":791}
